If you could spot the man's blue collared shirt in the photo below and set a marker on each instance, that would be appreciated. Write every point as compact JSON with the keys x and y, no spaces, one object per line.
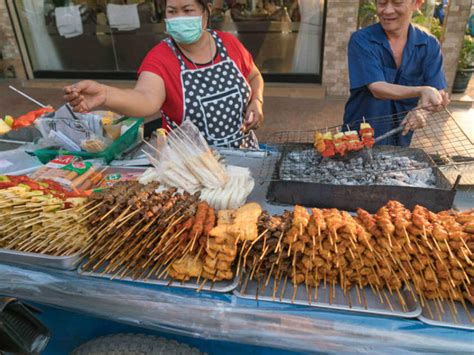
{"x":371,"y":60}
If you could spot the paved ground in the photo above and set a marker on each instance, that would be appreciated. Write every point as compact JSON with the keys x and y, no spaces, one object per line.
{"x":282,"y":113}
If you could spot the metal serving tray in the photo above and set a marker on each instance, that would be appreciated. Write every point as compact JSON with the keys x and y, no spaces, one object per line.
{"x":433,"y":315}
{"x":70,"y":262}
{"x":57,"y":262}
{"x":369,"y":197}
{"x":220,"y":286}
{"x":350,"y":303}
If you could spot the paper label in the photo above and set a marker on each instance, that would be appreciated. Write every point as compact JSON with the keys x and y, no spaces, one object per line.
{"x":61,"y":161}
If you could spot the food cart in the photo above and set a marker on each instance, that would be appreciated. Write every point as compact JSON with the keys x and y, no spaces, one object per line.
{"x":138,"y":265}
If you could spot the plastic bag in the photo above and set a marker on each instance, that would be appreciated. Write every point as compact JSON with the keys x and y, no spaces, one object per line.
{"x":188,"y":144}
{"x":186,"y":161}
{"x":228,"y":318}
{"x":96,"y":144}
{"x":234,"y":193}
{"x":71,"y":173}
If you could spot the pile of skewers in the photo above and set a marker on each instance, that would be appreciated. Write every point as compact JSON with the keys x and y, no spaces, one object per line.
{"x":428,"y":254}
{"x":330,"y":145}
{"x":145,"y":233}
{"x":40,"y":217}
{"x":184,"y":160}
{"x":153,"y":232}
{"x":150,"y":232}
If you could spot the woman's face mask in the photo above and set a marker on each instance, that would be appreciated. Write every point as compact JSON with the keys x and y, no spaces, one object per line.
{"x":185,"y":29}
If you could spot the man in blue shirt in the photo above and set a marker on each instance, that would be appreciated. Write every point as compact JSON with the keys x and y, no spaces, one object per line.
{"x":439,"y":11}
{"x":394,"y":67}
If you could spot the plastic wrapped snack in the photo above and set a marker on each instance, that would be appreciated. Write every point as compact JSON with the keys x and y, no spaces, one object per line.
{"x":96,"y":144}
{"x":185,"y":160}
{"x":194,"y":152}
{"x":234,"y":193}
{"x":72,"y":174}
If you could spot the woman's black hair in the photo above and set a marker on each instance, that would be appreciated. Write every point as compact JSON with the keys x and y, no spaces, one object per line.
{"x":203,"y":3}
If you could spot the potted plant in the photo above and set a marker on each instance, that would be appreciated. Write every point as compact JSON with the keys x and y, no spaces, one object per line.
{"x":367,"y":13}
{"x":465,"y":65}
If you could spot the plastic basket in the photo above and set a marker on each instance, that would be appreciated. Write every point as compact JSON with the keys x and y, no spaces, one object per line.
{"x":126,"y":141}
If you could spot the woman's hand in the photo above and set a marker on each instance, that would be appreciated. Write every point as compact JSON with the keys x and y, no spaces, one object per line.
{"x":253,"y":115}
{"x":85,"y":95}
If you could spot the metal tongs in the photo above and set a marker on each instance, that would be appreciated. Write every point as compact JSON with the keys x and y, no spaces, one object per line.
{"x":389,"y":133}
{"x":368,"y":157}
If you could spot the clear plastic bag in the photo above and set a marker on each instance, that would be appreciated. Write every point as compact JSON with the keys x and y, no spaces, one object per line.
{"x":227,"y":318}
{"x":185,"y":160}
{"x":234,"y":193}
{"x":96,"y":144}
{"x":191,"y":147}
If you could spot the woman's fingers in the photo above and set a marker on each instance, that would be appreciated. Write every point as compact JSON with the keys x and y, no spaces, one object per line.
{"x":256,"y":122}
{"x":68,"y":89}
{"x":70,"y":97}
{"x":248,"y":122}
{"x":77,"y":101}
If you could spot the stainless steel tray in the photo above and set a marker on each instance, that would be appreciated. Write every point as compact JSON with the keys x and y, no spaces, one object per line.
{"x":369,"y":302}
{"x":36,"y":259}
{"x":220,"y":286}
{"x":432,"y":314}
{"x":57,"y":262}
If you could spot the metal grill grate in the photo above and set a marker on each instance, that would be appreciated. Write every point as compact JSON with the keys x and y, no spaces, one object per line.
{"x":442,"y":142}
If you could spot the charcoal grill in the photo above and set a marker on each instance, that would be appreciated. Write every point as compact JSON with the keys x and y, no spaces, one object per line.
{"x":441,"y":144}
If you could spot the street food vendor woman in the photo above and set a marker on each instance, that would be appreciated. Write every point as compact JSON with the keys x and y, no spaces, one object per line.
{"x":195,"y":74}
{"x":394,"y":67}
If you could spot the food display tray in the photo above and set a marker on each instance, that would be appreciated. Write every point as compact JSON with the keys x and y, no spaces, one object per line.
{"x":70,"y":262}
{"x":35,"y":259}
{"x":219,"y":286}
{"x":371,"y":304}
{"x":445,"y":316}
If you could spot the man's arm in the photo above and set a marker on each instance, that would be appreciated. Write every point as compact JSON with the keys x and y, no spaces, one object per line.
{"x":431,"y":98}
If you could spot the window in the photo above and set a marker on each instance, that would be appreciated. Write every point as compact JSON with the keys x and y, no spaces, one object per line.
{"x":284,"y":36}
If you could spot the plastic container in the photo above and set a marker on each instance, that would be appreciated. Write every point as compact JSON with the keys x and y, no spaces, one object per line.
{"x":126,"y":141}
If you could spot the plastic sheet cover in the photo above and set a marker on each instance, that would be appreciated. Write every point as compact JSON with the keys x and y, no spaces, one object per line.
{"x":226,"y":318}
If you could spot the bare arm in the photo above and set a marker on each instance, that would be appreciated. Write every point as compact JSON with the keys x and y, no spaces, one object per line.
{"x":256,"y":83}
{"x":385,"y":91}
{"x":255,"y":120}
{"x":430,"y":98}
{"x":145,"y":99}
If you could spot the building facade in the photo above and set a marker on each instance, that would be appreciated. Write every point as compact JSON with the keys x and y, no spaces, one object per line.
{"x":303,"y":41}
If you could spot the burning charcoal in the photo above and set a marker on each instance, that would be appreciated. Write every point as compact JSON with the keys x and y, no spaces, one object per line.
{"x":385,"y":169}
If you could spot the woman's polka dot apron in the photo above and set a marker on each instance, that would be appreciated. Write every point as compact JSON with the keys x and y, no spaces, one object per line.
{"x":215,"y":99}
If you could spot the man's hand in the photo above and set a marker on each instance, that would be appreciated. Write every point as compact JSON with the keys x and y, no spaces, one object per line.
{"x":414,"y":120}
{"x":253,"y":116}
{"x":432,"y":99}
{"x":85,"y":95}
{"x":445,"y":97}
